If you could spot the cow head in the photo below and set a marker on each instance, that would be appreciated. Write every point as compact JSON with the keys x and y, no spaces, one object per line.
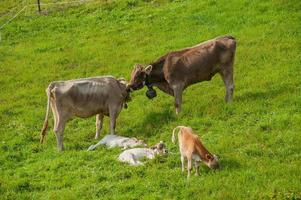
{"x":212,"y":161}
{"x":138,"y":76}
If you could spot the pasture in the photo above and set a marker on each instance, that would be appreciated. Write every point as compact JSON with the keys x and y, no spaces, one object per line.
{"x":257,"y":136}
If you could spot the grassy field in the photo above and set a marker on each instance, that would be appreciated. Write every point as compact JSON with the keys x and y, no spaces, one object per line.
{"x":257,"y":137}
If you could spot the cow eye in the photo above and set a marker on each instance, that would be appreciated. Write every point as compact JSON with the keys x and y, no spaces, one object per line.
{"x":139,"y":78}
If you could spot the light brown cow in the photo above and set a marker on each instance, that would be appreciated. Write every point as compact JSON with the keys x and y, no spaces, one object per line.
{"x":192,"y":148}
{"x":177,"y":70}
{"x":100,"y":96}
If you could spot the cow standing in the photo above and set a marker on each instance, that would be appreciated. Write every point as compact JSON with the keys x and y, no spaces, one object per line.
{"x":175,"y":71}
{"x":100,"y":96}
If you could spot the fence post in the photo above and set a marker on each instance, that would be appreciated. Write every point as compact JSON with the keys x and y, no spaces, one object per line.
{"x":39,"y":6}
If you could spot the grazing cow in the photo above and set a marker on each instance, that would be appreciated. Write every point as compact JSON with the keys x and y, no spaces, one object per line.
{"x":177,"y":70}
{"x":192,"y":148}
{"x":100,"y":96}
{"x":112,"y":141}
{"x":134,"y":156}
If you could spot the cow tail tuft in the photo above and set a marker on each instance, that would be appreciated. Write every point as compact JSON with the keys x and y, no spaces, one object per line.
{"x":45,"y":126}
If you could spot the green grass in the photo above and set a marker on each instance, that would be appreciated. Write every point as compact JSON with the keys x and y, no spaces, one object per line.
{"x":257,"y":137}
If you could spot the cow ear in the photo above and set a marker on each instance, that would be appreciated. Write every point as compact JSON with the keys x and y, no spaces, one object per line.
{"x":137,"y":66}
{"x":122,"y":80}
{"x":148,"y":69}
{"x":209,"y":157}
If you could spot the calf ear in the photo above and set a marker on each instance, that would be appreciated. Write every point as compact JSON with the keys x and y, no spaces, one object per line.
{"x":148,"y":69}
{"x":209,"y":157}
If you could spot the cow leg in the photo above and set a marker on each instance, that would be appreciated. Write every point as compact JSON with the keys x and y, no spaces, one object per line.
{"x":113,"y":112}
{"x":112,"y":123}
{"x":227,"y":76}
{"x":99,"y":122}
{"x":54,"y":111}
{"x":61,"y":118}
{"x":59,"y":131}
{"x":178,"y":90}
{"x":59,"y":121}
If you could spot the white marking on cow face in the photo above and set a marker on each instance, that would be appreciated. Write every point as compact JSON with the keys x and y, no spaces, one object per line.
{"x":212,"y":162}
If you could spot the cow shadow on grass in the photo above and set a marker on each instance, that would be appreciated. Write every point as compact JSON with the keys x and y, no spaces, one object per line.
{"x":265,"y":94}
{"x":229,"y":164}
{"x":254,"y":95}
{"x":152,"y":123}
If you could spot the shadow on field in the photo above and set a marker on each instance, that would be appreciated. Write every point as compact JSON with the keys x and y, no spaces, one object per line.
{"x":256,"y":95}
{"x":229,"y":164}
{"x":153,"y":122}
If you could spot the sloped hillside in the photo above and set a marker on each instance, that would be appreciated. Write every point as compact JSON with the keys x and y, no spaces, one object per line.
{"x":257,"y":137}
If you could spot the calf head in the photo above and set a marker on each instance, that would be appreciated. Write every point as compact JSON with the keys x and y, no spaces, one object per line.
{"x":138,"y":76}
{"x":212,"y":161}
{"x":160,"y":148}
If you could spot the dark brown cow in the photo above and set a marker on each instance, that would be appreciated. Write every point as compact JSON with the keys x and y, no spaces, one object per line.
{"x":175,"y":71}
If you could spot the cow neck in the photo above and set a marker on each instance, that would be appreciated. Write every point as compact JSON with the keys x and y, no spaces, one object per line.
{"x":202,"y":151}
{"x":155,"y":76}
{"x":147,"y":82}
{"x":128,"y":89}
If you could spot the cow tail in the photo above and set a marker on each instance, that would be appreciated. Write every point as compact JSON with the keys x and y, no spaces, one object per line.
{"x":45,"y":126}
{"x":173,"y":139}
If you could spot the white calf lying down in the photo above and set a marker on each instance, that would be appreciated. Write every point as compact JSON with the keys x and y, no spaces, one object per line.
{"x":133,"y":156}
{"x":112,"y":141}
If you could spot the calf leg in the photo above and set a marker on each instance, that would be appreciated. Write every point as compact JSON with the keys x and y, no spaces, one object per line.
{"x":196,"y":164}
{"x":182,"y":161}
{"x":99,"y":122}
{"x":227,"y":76}
{"x":189,"y":166}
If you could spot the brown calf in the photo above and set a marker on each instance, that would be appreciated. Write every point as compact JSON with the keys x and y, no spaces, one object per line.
{"x":192,"y":148}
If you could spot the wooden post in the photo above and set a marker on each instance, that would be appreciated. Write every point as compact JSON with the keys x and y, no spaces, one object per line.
{"x":39,"y":6}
